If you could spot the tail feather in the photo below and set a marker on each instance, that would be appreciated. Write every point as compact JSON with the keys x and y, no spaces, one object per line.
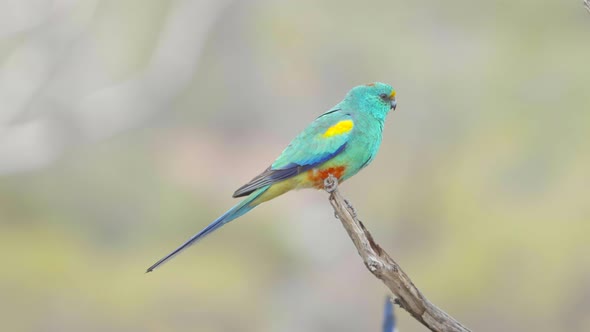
{"x":237,"y":211}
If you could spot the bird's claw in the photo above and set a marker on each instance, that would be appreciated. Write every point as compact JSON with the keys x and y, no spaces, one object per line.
{"x":330,"y":183}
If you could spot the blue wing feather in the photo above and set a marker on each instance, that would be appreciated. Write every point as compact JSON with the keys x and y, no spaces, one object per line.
{"x":308,"y":150}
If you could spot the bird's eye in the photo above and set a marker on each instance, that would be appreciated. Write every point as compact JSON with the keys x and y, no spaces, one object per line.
{"x":384,"y":96}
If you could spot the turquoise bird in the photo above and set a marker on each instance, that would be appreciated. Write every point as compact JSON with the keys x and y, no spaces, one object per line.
{"x":340,"y":142}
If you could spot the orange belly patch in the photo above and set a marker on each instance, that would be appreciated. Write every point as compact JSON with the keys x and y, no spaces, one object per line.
{"x":317,"y":176}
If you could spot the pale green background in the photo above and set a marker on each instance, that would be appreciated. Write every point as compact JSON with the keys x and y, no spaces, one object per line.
{"x":125,"y":125}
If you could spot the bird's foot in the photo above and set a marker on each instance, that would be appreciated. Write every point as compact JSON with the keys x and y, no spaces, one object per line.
{"x":330,"y":184}
{"x":351,"y":208}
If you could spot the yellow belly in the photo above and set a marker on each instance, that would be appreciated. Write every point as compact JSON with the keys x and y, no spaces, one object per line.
{"x":313,"y":178}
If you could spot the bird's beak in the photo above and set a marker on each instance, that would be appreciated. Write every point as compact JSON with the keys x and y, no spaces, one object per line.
{"x":393,"y":103}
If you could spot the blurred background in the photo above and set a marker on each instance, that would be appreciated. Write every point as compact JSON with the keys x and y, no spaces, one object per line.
{"x":126,"y":125}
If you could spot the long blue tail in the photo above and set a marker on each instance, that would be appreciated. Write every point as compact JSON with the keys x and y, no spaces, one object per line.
{"x":237,"y":211}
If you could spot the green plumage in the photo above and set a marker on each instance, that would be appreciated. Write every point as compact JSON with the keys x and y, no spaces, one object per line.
{"x":339,"y":142}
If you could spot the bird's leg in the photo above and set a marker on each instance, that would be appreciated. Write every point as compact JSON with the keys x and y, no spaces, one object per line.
{"x":330,"y":183}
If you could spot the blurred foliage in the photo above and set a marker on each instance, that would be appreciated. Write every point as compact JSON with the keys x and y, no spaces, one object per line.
{"x":126,"y":125}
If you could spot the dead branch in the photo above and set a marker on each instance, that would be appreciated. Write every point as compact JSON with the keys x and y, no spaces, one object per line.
{"x":387,"y":270}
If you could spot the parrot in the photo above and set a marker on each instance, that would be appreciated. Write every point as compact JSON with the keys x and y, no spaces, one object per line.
{"x":339,"y":142}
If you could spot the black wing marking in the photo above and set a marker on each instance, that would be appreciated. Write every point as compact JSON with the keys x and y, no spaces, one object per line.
{"x":270,"y":176}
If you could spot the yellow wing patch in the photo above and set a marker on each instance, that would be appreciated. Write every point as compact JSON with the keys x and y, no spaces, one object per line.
{"x":341,"y":127}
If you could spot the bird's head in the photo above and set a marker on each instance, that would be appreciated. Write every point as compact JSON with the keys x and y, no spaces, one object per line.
{"x":376,"y":98}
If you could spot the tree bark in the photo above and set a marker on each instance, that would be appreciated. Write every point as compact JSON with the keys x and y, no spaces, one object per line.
{"x":387,"y":270}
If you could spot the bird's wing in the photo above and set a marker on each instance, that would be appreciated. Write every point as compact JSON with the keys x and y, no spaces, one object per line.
{"x":320,"y":141}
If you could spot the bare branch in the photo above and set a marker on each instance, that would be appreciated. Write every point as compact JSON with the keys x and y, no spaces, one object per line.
{"x":387,"y":270}
{"x":587,"y":4}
